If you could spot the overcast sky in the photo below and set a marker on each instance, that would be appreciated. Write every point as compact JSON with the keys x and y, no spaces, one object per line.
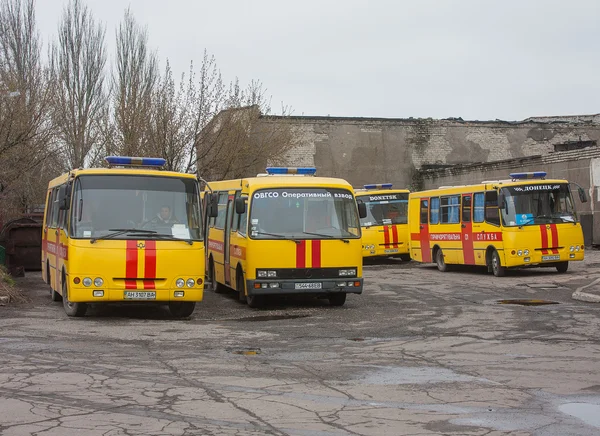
{"x":475,"y":59}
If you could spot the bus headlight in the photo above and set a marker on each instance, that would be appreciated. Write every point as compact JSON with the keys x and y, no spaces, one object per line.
{"x":263,"y":274}
{"x":577,"y":248}
{"x":520,"y":253}
{"x":526,"y":252}
{"x":87,"y":282}
{"x":180,"y":283}
{"x":98,"y":282}
{"x":347,"y":272}
{"x":190,"y":283}
{"x":571,"y":249}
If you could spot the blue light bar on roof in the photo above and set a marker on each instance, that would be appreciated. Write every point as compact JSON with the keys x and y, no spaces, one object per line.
{"x":135,"y":161}
{"x":529,"y":175}
{"x":379,"y":186}
{"x":307,"y":171}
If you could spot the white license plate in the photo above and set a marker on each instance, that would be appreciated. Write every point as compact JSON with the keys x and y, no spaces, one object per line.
{"x":551,"y":257}
{"x":308,"y":285}
{"x":138,"y":295}
{"x":391,"y":250}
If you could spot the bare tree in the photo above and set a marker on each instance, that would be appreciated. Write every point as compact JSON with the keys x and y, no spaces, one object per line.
{"x":77,"y":64}
{"x":25,"y":98}
{"x":133,"y":87}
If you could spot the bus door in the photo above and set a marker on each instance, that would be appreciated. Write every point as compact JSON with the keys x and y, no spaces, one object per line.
{"x":424,"y":230}
{"x":227,"y":238}
{"x":467,"y":230}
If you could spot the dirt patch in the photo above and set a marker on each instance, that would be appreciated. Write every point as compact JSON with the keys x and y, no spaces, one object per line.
{"x":9,"y":290}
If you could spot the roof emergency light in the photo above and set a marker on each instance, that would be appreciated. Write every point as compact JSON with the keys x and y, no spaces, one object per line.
{"x":306,"y":171}
{"x":379,"y":186}
{"x":528,"y":175}
{"x":128,"y":161}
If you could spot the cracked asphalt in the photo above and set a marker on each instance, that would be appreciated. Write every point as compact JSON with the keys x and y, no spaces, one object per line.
{"x":419,"y":353}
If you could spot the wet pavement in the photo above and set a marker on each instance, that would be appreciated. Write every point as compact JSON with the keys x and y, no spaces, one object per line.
{"x":419,"y":353}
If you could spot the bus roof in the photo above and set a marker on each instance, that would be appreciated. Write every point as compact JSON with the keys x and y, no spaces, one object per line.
{"x":363,"y":192}
{"x":487,"y":184}
{"x":254,"y":183}
{"x":122,"y":171}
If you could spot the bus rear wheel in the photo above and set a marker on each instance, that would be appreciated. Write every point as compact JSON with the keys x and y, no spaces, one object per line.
{"x":405,"y":257}
{"x":337,"y":299}
{"x":562,"y":267}
{"x":181,"y":309}
{"x":439,"y":260}
{"x":72,"y":309}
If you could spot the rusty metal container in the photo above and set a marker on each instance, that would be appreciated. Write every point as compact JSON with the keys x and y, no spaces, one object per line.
{"x":22,"y":241}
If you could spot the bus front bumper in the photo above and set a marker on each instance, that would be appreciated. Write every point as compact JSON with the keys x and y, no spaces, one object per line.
{"x":297,"y":286}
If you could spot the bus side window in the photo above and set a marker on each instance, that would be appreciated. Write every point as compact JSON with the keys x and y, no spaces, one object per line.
{"x":492,"y":213}
{"x":219,"y":222}
{"x":434,"y":211}
{"x":478,"y":210}
{"x":424,"y":211}
{"x":466,"y":208}
{"x":240,"y":221}
{"x":449,"y":209}
{"x":55,"y":208}
{"x":49,"y":204}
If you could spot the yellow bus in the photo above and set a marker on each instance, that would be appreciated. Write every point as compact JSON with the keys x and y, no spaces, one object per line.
{"x":385,"y":228}
{"x":127,"y":233}
{"x":523,"y":221}
{"x":285,"y":232}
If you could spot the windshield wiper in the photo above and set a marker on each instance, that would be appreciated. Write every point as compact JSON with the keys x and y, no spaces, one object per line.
{"x":327,"y":236}
{"x":278,"y":236}
{"x":530,"y":220}
{"x":118,"y":232}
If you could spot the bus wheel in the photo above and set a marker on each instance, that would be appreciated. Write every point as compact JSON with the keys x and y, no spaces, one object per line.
{"x":215,"y":286}
{"x":72,"y":309}
{"x":497,"y":268}
{"x":255,"y":301}
{"x":240,"y":287}
{"x":405,"y":257}
{"x":337,"y":299}
{"x":181,"y":309}
{"x":439,"y":260}
{"x":562,"y":267}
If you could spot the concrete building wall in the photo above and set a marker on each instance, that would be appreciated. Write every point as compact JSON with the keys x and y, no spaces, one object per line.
{"x":367,"y":150}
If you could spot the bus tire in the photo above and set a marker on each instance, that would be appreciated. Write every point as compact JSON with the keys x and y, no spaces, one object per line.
{"x":439,"y":260}
{"x":181,"y":309}
{"x":215,"y":286}
{"x":562,"y":267}
{"x":497,"y":269}
{"x":240,"y":286}
{"x":337,"y":300}
{"x":71,"y":309}
{"x":405,"y":257}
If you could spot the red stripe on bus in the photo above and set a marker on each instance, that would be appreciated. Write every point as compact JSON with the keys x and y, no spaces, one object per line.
{"x":386,"y":235}
{"x":467,"y":244}
{"x":301,"y":254}
{"x":131,"y":265}
{"x":395,"y":236}
{"x":425,"y":247}
{"x":150,"y":265}
{"x":555,"y":244}
{"x":316,"y":254}
{"x":544,"y":238}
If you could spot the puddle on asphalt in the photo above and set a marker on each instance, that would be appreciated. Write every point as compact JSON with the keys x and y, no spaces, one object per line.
{"x":411,"y":375}
{"x":588,"y":413}
{"x":270,"y":317}
{"x":523,"y":302}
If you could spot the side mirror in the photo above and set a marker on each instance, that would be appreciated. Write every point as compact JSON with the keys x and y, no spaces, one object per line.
{"x":503,"y":203}
{"x":240,"y":205}
{"x":362,"y":210}
{"x":64,"y":197}
{"x":582,"y":194}
{"x":213,"y":205}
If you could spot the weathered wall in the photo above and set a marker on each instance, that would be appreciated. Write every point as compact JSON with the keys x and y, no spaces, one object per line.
{"x":367,"y":150}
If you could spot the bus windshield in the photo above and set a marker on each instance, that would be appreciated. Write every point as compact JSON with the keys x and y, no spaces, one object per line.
{"x":537,"y":204}
{"x":385,"y":209}
{"x":304,"y":213}
{"x":134,"y":207}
